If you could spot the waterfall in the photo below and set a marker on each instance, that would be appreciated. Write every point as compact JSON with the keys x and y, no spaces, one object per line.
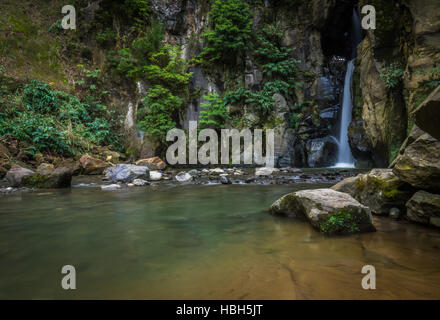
{"x":345,"y":158}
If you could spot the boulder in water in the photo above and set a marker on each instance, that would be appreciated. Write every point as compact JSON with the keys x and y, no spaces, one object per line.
{"x":127,"y":173}
{"x":329,"y":211}
{"x":47,"y":178}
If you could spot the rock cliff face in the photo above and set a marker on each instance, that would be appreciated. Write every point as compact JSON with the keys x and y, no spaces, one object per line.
{"x":319,"y":34}
{"x":408,"y":35}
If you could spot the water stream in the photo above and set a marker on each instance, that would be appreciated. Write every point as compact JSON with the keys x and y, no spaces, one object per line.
{"x":200,"y":242}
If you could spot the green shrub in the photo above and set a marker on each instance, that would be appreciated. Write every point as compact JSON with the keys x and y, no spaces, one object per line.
{"x":230,"y":32}
{"x":392,"y":74}
{"x":214,"y":113}
{"x":40,"y":97}
{"x":55,"y":121}
{"x":159,"y":112}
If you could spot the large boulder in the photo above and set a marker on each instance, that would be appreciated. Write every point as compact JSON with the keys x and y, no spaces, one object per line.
{"x":49,"y":178}
{"x":420,"y":164}
{"x":427,"y":115}
{"x":92,"y":166}
{"x":154,"y":163}
{"x":16,"y":175}
{"x":127,"y":173}
{"x":424,"y":208}
{"x":379,"y":189}
{"x":329,"y":211}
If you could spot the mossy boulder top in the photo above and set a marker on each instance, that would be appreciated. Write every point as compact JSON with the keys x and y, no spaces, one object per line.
{"x":379,"y":189}
{"x":329,"y":211}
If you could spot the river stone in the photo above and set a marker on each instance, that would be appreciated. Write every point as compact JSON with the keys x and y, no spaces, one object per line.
{"x":91,"y":165}
{"x":154,"y":163}
{"x":45,"y":178}
{"x":216,"y":171}
{"x":155,"y":175}
{"x":379,"y":189}
{"x":420,"y":164}
{"x":184,"y":177}
{"x":265,"y":171}
{"x":16,"y":175}
{"x":225,"y":180}
{"x":329,"y":211}
{"x":140,"y":182}
{"x":111,"y":187}
{"x":127,"y":173}
{"x":424,"y":208}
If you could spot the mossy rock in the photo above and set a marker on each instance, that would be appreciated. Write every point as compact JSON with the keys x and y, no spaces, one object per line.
{"x":58,"y":178}
{"x":380,"y":190}
{"x":331,"y":212}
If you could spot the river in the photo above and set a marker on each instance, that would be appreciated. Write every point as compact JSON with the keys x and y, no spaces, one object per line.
{"x":200,"y":242}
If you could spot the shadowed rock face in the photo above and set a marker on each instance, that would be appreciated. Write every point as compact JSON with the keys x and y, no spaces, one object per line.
{"x":329,"y":211}
{"x":420,"y":164}
{"x":428,"y":114}
{"x":424,"y":208}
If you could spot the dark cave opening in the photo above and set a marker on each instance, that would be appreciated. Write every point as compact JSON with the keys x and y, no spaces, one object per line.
{"x":338,"y":35}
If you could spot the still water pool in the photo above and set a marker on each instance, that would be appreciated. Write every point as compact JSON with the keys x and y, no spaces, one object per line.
{"x":200,"y":242}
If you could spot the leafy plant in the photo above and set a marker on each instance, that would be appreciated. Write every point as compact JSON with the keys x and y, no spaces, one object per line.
{"x":214,"y":113}
{"x":392,"y":74}
{"x":340,"y":222}
{"x":159,"y":112}
{"x":230,"y":32}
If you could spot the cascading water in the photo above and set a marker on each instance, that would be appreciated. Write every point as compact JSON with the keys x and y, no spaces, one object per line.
{"x":345,"y":158}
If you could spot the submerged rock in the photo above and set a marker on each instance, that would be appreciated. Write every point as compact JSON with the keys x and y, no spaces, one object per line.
{"x":127,"y":173}
{"x":380,"y":190}
{"x":424,"y":207}
{"x":154,"y":163}
{"x":92,"y":166}
{"x":330,"y":211}
{"x":184,"y":177}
